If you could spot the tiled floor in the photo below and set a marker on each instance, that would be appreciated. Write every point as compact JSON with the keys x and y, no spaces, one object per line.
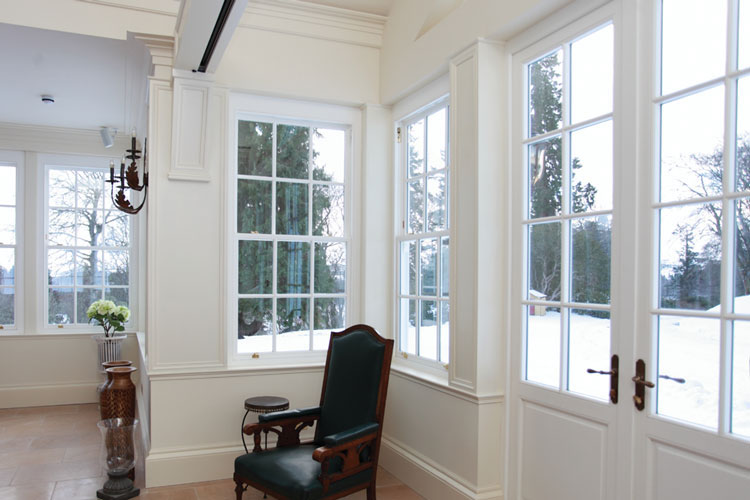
{"x":52,"y":453}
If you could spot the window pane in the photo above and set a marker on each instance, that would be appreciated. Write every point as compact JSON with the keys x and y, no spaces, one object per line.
{"x":61,"y":227}
{"x":436,"y":150}
{"x":545,"y":178}
{"x":7,"y":306}
{"x":253,"y":206}
{"x":543,"y":345}
{"x":693,"y":42}
{"x":90,"y":192}
{"x":415,"y":148}
{"x":7,"y":266}
{"x":60,"y":306}
{"x":89,"y":267}
{"x":588,"y":347}
{"x":62,"y":188}
{"x":408,"y":268}
{"x":292,"y":151}
{"x":328,"y":210}
{"x":254,"y":325}
{"x":330,"y":268}
{"x":428,"y":326}
{"x":591,"y":153}
{"x":291,"y":208}
{"x":89,"y":227}
{"x":741,"y":376}
{"x":437,"y":200}
{"x":545,"y":94}
{"x":690,"y":257}
{"x":408,"y":330}
{"x":742,"y":256}
{"x":116,"y":267}
{"x":60,"y":267}
{"x":744,"y":50}
{"x":445,"y":331}
{"x":117,"y":229}
{"x":255,"y":267}
{"x":743,"y":133}
{"x":544,"y":261}
{"x":592,"y":74}
{"x":592,"y":255}
{"x":292,"y":324}
{"x":445,"y":267}
{"x":84,"y":298}
{"x":692,"y":130}
{"x":7,"y":185}
{"x":293,"y":267}
{"x":117,"y":295}
{"x":254,"y":148}
{"x":329,"y":149}
{"x":329,"y":314}
{"x":415,"y":205}
{"x":7,"y":226}
{"x":689,"y":349}
{"x":428,"y":266}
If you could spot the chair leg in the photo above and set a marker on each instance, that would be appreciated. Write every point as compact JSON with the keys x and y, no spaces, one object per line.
{"x":371,"y":492}
{"x":239,"y":489}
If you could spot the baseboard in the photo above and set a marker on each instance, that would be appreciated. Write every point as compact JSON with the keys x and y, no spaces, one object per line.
{"x":47,"y":395}
{"x":190,"y":465}
{"x":427,"y":478}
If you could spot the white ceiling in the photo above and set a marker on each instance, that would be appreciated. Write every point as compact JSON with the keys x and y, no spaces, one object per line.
{"x":86,"y":76}
{"x":380,"y":7}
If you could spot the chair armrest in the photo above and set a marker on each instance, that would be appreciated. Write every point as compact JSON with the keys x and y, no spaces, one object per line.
{"x":279,"y":415}
{"x":287,"y":429}
{"x":347,"y":446}
{"x":350,"y":434}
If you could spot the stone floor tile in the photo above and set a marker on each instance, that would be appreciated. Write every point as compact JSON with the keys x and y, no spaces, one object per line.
{"x":35,"y":491}
{"x":15,"y":444}
{"x":88,"y":453}
{"x":385,"y":478}
{"x":400,"y":492}
{"x":65,"y":441}
{"x":78,"y":489}
{"x":178,"y":492}
{"x":6,"y":475}
{"x":56,"y":472}
{"x":31,"y":457}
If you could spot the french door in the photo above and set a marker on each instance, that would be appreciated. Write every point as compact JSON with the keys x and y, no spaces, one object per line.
{"x":630,"y":365}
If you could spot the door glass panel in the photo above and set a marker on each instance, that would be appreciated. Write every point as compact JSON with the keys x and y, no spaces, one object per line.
{"x":744,"y":49}
{"x":743,"y":134}
{"x":545,"y":178}
{"x":693,"y":42}
{"x":741,"y":378}
{"x":689,"y":350}
{"x":329,"y":315}
{"x":588,"y":347}
{"x":428,"y":329}
{"x":742,"y":258}
{"x":591,"y":75}
{"x":544,"y":261}
{"x":543,"y":345}
{"x":692,"y":139}
{"x":592,"y":255}
{"x":408,"y":268}
{"x":60,"y":309}
{"x":445,"y":267}
{"x":545,"y":94}
{"x":7,"y":306}
{"x":690,"y":257}
{"x":591,"y":153}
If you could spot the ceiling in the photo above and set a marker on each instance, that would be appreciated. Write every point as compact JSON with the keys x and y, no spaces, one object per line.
{"x":380,"y":7}
{"x":86,"y":76}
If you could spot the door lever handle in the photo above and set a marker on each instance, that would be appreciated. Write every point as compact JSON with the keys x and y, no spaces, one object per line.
{"x":673,"y":379}
{"x":614,"y":378}
{"x":640,"y":381}
{"x":639,"y":398}
{"x":601,"y":372}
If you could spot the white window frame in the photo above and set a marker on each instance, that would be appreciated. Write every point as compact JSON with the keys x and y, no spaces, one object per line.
{"x":291,"y":112}
{"x":411,"y":110}
{"x":45,"y":162}
{"x":16,"y":159}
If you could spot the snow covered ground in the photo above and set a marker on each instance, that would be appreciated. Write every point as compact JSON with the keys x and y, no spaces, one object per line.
{"x":688,"y":348}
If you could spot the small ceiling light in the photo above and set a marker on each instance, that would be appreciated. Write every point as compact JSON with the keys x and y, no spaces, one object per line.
{"x":108,"y":136}
{"x":48,"y":99}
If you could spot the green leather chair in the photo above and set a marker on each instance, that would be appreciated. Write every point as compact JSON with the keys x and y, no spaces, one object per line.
{"x":343,"y":457}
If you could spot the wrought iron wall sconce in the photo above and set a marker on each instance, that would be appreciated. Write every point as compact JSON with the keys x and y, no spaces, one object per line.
{"x":129,"y":176}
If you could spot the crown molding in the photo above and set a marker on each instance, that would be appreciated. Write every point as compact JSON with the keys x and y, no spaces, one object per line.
{"x":160,"y":7}
{"x":46,"y":139}
{"x":296,"y":17}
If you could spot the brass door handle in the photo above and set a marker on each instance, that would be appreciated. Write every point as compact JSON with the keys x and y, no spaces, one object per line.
{"x":614,"y":377}
{"x":673,"y":379}
{"x":639,"y":381}
{"x":640,"y":385}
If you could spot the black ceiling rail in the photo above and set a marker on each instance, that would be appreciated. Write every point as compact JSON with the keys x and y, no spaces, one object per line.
{"x":226,"y":8}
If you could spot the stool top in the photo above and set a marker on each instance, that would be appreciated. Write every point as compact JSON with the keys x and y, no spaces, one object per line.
{"x":266,"y":404}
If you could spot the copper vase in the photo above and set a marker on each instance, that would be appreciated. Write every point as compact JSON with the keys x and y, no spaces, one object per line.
{"x":118,"y":396}
{"x":100,"y":389}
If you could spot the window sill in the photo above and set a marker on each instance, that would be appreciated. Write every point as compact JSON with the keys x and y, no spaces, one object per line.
{"x":53,"y":335}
